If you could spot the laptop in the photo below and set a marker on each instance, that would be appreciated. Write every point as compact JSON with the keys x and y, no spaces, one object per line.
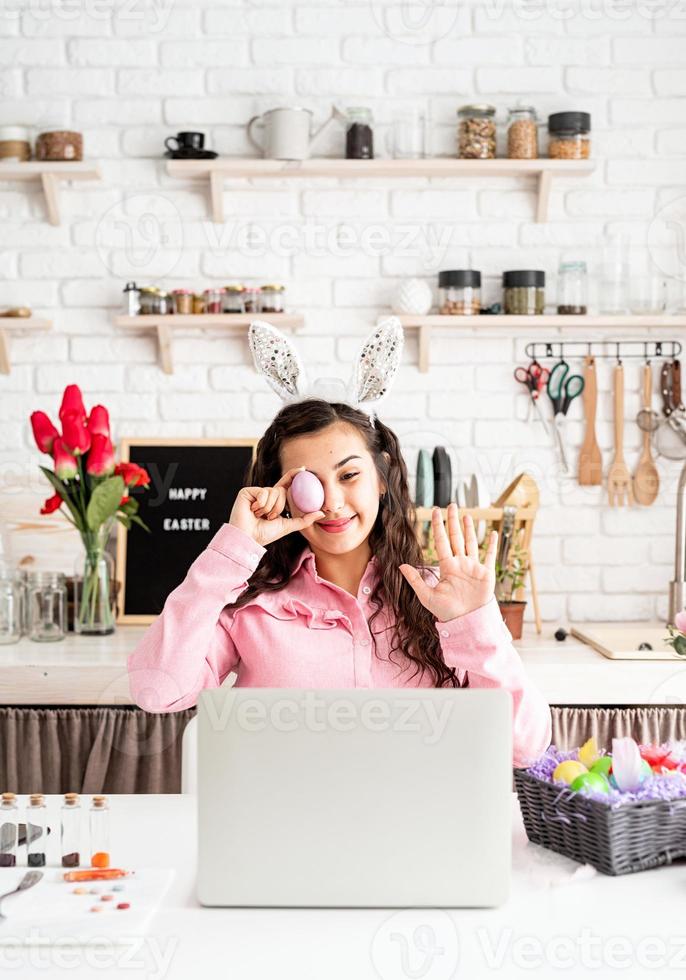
{"x":383,"y":798}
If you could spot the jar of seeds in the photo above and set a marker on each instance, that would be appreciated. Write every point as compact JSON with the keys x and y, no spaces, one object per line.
{"x":522,"y":133}
{"x":569,"y":136}
{"x":524,"y":291}
{"x":476,"y":132}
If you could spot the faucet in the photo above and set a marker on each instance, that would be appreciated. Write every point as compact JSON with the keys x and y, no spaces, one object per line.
{"x":677,"y":587}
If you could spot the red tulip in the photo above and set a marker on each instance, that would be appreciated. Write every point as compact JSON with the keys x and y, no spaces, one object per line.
{"x":100,"y":460}
{"x":124,"y":500}
{"x":132,"y":474}
{"x":72,"y":401}
{"x":75,"y":435}
{"x":44,"y":432}
{"x":99,"y":421}
{"x":51,"y":504}
{"x":66,"y":466}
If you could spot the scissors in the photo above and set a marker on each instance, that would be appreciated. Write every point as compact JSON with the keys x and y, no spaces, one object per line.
{"x":562,"y":391}
{"x":534,"y":378}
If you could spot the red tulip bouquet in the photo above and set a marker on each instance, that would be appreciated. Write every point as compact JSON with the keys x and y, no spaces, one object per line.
{"x":94,"y":491}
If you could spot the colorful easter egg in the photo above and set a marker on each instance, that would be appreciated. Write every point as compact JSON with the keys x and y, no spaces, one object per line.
{"x":602,"y":765}
{"x":590,"y":781}
{"x":307,"y":492}
{"x":568,"y":770}
{"x":588,"y":753}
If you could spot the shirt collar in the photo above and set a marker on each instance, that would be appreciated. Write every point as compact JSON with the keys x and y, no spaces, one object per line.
{"x":306,"y":558}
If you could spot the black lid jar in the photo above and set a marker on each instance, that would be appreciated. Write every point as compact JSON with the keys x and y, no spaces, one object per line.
{"x":569,"y":135}
{"x":524,"y":292}
{"x":459,"y":292}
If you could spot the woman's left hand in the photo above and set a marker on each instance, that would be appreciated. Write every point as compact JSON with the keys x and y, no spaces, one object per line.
{"x":465,"y":583}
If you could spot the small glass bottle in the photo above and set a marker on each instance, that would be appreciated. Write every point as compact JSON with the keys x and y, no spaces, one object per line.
{"x":10,"y":606}
{"x":71,"y":831}
{"x":9,"y":830}
{"x":36,"y":824}
{"x":522,"y":133}
{"x":213,"y":300}
{"x":572,"y":288}
{"x":47,"y":606}
{"x":359,"y":137}
{"x":100,"y":832}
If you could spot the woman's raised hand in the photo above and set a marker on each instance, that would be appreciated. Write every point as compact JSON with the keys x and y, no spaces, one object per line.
{"x":258,"y":511}
{"x":466,"y":583}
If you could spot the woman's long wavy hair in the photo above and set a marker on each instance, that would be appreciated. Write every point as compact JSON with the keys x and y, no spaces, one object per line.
{"x":392,"y":539}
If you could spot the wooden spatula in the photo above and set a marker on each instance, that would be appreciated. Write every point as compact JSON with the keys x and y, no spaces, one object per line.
{"x":646,"y":477}
{"x":590,"y":460}
{"x":619,"y":489}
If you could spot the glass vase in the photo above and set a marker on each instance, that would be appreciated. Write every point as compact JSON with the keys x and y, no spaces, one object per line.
{"x":93,"y":606}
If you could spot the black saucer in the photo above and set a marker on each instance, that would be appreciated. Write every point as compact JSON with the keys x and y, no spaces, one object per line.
{"x":191,"y":154}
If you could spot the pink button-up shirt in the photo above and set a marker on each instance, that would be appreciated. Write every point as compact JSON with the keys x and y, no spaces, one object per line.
{"x":311,"y":634}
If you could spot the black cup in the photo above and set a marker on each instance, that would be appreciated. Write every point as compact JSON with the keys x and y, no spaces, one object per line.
{"x":185,"y":141}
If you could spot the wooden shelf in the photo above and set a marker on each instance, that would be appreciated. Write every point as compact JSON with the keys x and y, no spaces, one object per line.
{"x":543,"y":171}
{"x":426,"y":324}
{"x":164,"y":325}
{"x":51,"y":175}
{"x":12,"y":323}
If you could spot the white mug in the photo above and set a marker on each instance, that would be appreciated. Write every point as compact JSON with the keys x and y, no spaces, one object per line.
{"x":287,"y":134}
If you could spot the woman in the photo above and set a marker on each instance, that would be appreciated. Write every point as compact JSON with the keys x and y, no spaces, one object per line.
{"x":286,"y":599}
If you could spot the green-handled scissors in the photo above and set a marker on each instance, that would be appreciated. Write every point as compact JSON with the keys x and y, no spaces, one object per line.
{"x":562,"y":391}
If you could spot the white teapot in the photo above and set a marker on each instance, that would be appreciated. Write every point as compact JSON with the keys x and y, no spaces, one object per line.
{"x":287,"y":132}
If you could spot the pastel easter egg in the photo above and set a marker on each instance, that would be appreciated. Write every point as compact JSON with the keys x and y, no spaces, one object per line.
{"x":588,"y":753}
{"x":590,"y":781}
{"x":602,"y":765}
{"x":307,"y":492}
{"x":568,"y":770}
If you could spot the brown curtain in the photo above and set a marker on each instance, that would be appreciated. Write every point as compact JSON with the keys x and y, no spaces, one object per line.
{"x":90,"y":750}
{"x":646,"y":723}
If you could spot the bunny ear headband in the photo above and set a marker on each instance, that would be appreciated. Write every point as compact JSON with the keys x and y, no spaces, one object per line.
{"x":374,"y":368}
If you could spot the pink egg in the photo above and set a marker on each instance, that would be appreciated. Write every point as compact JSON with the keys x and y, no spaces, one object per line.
{"x":307,"y":492}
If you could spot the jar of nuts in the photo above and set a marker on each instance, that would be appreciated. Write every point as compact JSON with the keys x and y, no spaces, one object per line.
{"x":569,"y":135}
{"x":522,"y":133}
{"x":476,"y":132}
{"x":459,"y":292}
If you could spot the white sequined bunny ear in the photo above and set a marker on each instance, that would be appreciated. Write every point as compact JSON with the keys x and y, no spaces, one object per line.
{"x":377,"y":363}
{"x":277,"y":359}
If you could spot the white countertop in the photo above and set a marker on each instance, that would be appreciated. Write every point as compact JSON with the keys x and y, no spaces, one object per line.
{"x":90,"y":670}
{"x":561,"y":919}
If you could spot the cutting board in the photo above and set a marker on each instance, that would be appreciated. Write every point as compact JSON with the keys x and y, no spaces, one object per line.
{"x":50,"y":911}
{"x":622,"y":642}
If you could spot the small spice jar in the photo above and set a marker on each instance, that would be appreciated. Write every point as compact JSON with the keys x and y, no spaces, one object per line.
{"x":47,"y":606}
{"x":524,"y":291}
{"x":476,"y":132}
{"x":569,"y":135}
{"x":183,"y":301}
{"x":149,"y":300}
{"x":234,"y":298}
{"x":252,"y":299}
{"x":198,"y":303}
{"x":165,"y":303}
{"x":522,"y":133}
{"x":459,"y":292}
{"x":214,"y":299}
{"x":572,"y":288}
{"x":359,"y":137}
{"x":271,"y":298}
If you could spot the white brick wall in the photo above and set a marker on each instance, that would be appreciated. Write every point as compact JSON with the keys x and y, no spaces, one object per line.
{"x":129,"y":74}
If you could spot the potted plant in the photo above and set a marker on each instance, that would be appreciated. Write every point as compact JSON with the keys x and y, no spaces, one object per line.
{"x":95,"y":492}
{"x":510,"y":576}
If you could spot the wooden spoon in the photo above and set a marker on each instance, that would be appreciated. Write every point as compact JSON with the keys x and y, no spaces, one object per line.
{"x":619,"y":489}
{"x":646,"y":477}
{"x":590,"y":459}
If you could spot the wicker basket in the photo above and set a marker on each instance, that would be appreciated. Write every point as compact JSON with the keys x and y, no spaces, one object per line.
{"x":633,"y":837}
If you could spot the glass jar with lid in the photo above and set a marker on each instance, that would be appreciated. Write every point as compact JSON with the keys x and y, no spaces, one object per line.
{"x":214,"y":300}
{"x":252,"y":299}
{"x":47,"y":606}
{"x":524,"y":291}
{"x":522,"y":133}
{"x":476,"y":132}
{"x":569,"y":135}
{"x":572,"y":288}
{"x":234,"y":301}
{"x":183,"y":301}
{"x":459,"y":292}
{"x":271,"y":298}
{"x":149,"y":299}
{"x":359,"y":136}
{"x":10,"y":605}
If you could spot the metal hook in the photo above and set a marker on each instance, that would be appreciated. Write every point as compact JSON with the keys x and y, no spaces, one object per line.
{"x":658,"y":348}
{"x":619,"y":358}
